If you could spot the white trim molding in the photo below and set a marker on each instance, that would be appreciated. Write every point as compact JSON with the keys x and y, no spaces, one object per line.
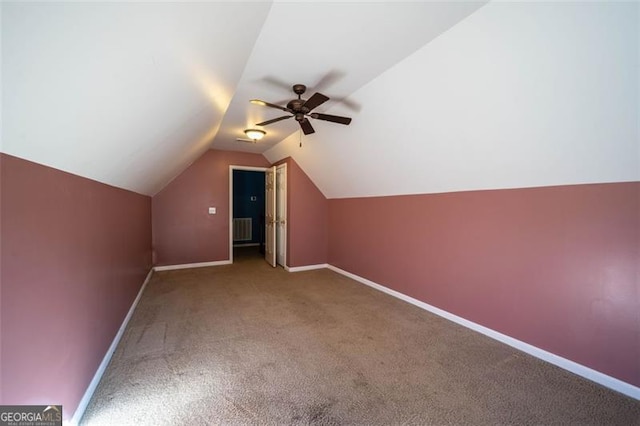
{"x":84,"y":402}
{"x":191,"y":265}
{"x":306,"y":267}
{"x":282,"y":213}
{"x":579,"y":369}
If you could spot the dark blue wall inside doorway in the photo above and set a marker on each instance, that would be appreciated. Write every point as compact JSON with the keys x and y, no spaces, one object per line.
{"x":248,"y":200}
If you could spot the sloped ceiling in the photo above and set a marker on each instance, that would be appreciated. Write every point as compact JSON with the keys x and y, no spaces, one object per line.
{"x":445,"y":96}
{"x":130,"y":94}
{"x":333,"y":48}
{"x":516,"y":95}
{"x":124,"y":93}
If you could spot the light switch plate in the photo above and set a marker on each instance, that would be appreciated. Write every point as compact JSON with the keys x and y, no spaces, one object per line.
{"x":212,"y":210}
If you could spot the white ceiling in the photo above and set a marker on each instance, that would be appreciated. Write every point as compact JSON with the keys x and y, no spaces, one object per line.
{"x":445,"y":96}
{"x":130,"y":94}
{"x":124,"y":93}
{"x":334,"y":48}
{"x":516,"y":95}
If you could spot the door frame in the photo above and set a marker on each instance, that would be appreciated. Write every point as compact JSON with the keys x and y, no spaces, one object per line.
{"x":231,"y":169}
{"x":271,"y":216}
{"x":283,"y":194}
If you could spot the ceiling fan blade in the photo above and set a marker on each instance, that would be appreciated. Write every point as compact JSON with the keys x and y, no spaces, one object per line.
{"x":276,"y":82}
{"x":352,"y":105}
{"x":315,"y":100}
{"x":306,"y":127}
{"x":264,"y":123}
{"x":332,"y":118}
{"x":329,"y":79}
{"x":245,"y":140}
{"x":263,"y":103}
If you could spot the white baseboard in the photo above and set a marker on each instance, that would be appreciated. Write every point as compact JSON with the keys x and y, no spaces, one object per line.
{"x":579,"y":369}
{"x":192,"y":265}
{"x":305,"y":268}
{"x":82,"y":406}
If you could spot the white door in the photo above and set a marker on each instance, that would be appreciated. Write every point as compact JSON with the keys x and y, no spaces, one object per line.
{"x":270,"y":216}
{"x":281,"y":214}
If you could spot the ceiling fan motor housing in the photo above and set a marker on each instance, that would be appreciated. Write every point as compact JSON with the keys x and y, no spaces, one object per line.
{"x":296,"y":105}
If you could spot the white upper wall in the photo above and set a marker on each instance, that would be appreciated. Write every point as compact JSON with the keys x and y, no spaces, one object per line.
{"x":515,"y":95}
{"x":126,"y":93}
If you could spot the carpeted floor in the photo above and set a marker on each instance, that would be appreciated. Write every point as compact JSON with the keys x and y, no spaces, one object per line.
{"x":249,"y":344}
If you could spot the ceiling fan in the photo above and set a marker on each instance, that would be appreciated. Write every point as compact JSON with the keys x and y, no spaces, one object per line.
{"x":300,"y":109}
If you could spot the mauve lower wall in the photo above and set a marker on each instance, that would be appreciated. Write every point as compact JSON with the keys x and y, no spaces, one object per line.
{"x":307,"y":210}
{"x":183,"y":230}
{"x":556,"y":267}
{"x":75,"y":253}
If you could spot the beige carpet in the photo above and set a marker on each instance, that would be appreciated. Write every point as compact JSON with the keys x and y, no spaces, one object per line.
{"x":249,"y":344}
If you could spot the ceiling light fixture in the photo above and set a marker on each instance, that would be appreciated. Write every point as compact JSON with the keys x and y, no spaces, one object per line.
{"x":255,"y":134}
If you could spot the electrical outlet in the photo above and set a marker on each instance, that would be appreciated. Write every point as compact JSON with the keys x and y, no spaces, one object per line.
{"x":212,"y":210}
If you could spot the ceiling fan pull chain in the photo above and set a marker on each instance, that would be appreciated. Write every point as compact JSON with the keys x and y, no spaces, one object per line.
{"x":300,"y":133}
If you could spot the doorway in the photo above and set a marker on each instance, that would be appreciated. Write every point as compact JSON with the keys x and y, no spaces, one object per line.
{"x":248,"y":217}
{"x":257,"y":213}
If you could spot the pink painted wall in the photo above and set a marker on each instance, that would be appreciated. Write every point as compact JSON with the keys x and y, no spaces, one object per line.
{"x":75,"y":253}
{"x":307,"y":210}
{"x":183,"y":230}
{"x":556,"y":267}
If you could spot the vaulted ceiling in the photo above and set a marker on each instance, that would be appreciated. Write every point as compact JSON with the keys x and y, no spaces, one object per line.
{"x":444,"y":96}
